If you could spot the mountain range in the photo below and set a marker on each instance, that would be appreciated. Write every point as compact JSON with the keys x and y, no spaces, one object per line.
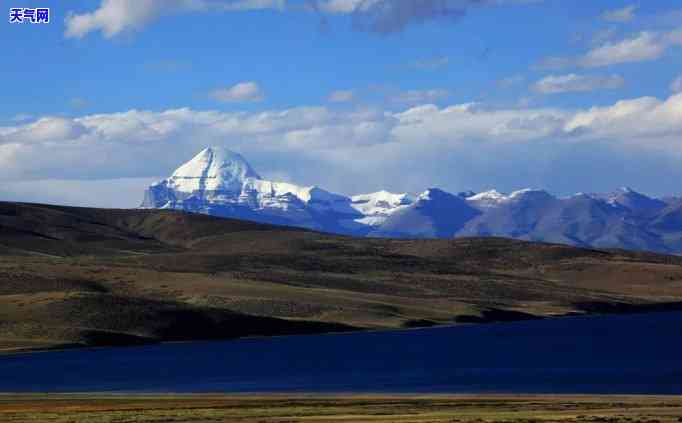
{"x":222,"y":183}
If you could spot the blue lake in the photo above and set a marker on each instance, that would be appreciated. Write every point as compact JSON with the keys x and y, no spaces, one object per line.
{"x":603,"y":354}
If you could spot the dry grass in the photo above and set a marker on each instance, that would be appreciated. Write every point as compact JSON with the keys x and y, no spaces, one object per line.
{"x":309,"y":409}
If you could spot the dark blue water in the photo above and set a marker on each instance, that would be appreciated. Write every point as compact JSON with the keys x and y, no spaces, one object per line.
{"x":608,"y":354}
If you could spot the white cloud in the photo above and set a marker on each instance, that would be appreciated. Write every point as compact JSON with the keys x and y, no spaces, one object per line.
{"x":676,"y":85}
{"x":339,"y":6}
{"x":467,"y":122}
{"x":342,"y":96}
{"x":645,"y":119}
{"x":556,"y":84}
{"x":242,"y":92}
{"x":420,"y":96}
{"x":454,"y":147}
{"x":625,"y":14}
{"x":44,"y":129}
{"x":240,"y":5}
{"x":114,"y":17}
{"x":644,"y":46}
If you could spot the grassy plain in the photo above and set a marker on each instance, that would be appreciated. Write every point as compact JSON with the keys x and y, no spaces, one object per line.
{"x":316,"y":409}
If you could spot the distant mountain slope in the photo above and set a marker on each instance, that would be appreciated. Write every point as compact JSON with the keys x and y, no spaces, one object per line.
{"x":435,"y":214}
{"x":580,"y":220}
{"x":84,"y":276}
{"x":221,"y":183}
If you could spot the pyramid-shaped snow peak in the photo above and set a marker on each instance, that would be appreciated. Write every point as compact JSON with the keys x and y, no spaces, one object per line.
{"x":213,"y":169}
{"x":220,"y":182}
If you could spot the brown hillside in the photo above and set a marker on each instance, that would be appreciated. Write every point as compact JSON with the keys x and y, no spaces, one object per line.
{"x":100,"y":277}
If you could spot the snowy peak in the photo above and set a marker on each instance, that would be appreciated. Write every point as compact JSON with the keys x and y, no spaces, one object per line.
{"x":494,"y":198}
{"x":466,"y":194}
{"x":213,"y":169}
{"x":380,"y":202}
{"x":487,"y":199}
{"x":634,"y":201}
{"x":435,"y":194}
{"x":375,"y":207}
{"x":527,"y":192}
{"x":530,"y":194}
{"x":220,"y":182}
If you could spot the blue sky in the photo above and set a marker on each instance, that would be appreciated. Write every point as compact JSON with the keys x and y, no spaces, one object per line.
{"x":327,"y":95}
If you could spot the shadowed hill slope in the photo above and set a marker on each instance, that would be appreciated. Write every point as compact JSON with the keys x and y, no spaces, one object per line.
{"x":99,"y":277}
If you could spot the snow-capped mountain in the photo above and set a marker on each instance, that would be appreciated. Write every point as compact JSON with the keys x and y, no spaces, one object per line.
{"x":376,"y":207}
{"x":222,"y":183}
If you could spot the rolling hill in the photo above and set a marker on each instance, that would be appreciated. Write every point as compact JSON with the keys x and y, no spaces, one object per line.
{"x":83,"y":277}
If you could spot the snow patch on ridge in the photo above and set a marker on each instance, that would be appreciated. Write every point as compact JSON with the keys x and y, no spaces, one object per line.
{"x":377,"y":206}
{"x":494,"y":198}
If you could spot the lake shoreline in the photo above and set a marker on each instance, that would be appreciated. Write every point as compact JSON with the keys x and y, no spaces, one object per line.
{"x":612,"y":354}
{"x":635,"y":310}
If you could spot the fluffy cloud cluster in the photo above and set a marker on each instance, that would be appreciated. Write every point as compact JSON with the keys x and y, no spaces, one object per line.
{"x":635,"y":142}
{"x":640,"y":47}
{"x":114,"y":17}
{"x":647,"y":119}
